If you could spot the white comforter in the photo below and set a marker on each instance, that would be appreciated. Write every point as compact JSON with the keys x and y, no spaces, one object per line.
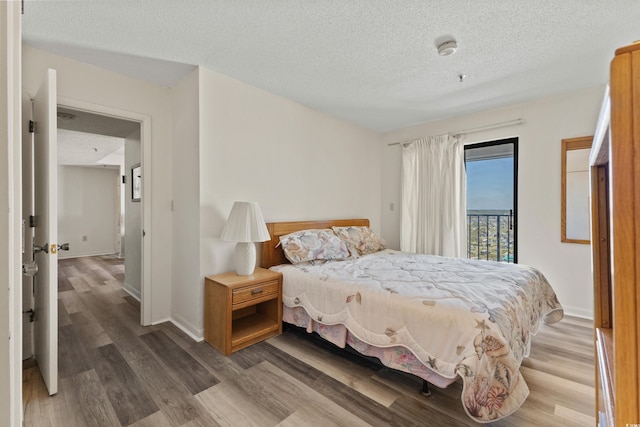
{"x":459,"y":317}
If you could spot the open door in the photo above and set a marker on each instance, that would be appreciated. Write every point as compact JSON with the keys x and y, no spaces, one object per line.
{"x":46,"y":231}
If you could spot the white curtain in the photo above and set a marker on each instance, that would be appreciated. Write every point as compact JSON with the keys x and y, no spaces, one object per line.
{"x":434,"y":208}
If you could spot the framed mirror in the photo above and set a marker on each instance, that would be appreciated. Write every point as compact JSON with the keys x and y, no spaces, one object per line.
{"x":574,"y":219}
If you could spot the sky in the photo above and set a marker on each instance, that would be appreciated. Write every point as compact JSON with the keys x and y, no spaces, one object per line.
{"x":490,"y":184}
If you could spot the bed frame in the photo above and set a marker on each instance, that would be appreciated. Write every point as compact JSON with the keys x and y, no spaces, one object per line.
{"x":272,"y":254}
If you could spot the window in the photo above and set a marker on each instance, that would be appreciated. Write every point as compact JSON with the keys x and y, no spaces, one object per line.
{"x":492,"y":183}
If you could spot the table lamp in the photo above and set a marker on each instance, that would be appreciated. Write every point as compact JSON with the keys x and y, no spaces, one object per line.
{"x":245,"y":226}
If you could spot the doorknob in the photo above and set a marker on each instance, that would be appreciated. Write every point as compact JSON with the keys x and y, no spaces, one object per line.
{"x":30,"y":268}
{"x":43,"y":248}
{"x":63,"y":247}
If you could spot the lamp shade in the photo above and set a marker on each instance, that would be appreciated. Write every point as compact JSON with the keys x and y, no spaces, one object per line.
{"x":245,"y":224}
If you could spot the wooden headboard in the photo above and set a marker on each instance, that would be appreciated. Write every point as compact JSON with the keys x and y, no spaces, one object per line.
{"x":273,"y":256}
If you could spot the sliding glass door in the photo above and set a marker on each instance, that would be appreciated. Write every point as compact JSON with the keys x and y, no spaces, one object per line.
{"x":492,"y":184}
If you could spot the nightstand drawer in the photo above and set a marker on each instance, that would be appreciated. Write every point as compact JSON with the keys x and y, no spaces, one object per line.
{"x":248,"y":293}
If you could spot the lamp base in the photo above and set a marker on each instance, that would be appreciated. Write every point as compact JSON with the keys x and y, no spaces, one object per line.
{"x":245,"y":258}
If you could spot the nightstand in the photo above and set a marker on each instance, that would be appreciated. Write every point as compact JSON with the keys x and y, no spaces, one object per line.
{"x":242,"y":310}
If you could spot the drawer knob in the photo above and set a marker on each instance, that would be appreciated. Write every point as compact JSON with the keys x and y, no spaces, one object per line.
{"x":256,"y":291}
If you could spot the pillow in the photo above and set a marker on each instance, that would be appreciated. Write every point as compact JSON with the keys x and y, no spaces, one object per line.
{"x":360,"y":239}
{"x":310,"y":245}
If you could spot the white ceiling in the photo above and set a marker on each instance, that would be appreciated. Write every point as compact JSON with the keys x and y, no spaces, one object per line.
{"x":371,"y":62}
{"x":89,"y":139}
{"x":86,"y":149}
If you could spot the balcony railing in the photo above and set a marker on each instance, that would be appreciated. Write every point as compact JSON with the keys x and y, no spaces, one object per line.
{"x":490,"y":236}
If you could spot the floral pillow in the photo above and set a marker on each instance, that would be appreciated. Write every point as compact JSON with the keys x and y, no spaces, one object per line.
{"x":311,"y":245}
{"x":360,"y":239}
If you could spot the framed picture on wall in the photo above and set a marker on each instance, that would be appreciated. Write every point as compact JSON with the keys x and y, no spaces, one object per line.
{"x":136,"y":183}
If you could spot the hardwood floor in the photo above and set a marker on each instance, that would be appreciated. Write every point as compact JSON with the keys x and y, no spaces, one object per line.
{"x":115,"y":372}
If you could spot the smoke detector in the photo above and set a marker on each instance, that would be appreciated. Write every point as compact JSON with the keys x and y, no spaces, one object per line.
{"x":447,"y":48}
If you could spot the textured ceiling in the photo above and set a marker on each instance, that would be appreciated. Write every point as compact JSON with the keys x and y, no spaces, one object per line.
{"x":89,"y":139}
{"x":371,"y":62}
{"x":85,"y":149}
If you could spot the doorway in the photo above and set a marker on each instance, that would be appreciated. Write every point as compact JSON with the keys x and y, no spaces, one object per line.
{"x":492,"y":196}
{"x":90,"y":137}
{"x":97,"y":212}
{"x":144,"y":125}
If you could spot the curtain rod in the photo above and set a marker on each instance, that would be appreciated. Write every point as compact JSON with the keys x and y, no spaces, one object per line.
{"x":498,"y":125}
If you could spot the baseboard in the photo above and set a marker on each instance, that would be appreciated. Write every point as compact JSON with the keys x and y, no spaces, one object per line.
{"x":578,"y":312}
{"x":63,"y":255}
{"x":132,"y":291}
{"x":157,"y":322}
{"x":197,"y":334}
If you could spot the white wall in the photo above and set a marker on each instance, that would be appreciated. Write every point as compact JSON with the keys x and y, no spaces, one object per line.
{"x":132,"y":221}
{"x":10,"y":216}
{"x":567,"y":266}
{"x":89,"y":84}
{"x":186,"y":204}
{"x":298,"y":163}
{"x":87,"y":209}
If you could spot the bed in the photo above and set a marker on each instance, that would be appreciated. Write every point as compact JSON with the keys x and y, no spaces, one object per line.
{"x":437,"y":318}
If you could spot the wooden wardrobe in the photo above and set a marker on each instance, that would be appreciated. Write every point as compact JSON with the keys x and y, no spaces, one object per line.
{"x":615,"y":220}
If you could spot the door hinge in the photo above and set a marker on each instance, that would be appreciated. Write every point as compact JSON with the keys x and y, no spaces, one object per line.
{"x":32,"y":221}
{"x":32,"y":126}
{"x":144,"y":233}
{"x":31,"y":313}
